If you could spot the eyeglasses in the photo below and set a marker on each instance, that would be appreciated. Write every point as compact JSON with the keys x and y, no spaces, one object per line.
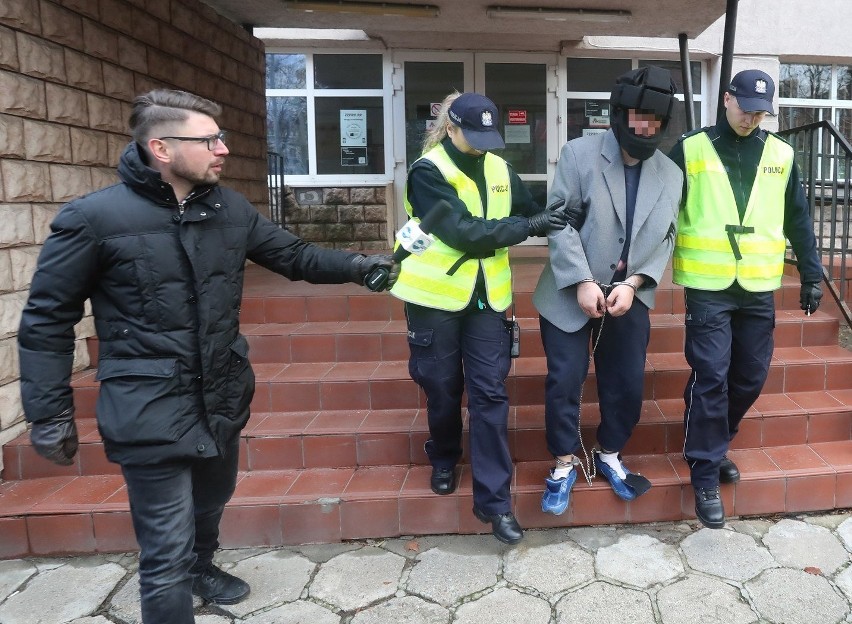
{"x":211,"y":140}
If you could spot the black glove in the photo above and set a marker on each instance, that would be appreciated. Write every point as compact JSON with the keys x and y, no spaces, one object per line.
{"x":576,"y":215}
{"x":55,"y":438}
{"x":547,"y":221}
{"x":809,"y":296}
{"x":362,"y":266}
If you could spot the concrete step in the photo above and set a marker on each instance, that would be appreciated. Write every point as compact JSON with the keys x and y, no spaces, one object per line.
{"x":84,"y":514}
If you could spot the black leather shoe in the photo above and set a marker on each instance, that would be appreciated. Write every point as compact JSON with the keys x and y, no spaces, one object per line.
{"x":219,"y":587}
{"x":443,"y":480}
{"x":728,"y":471}
{"x":503,"y":526}
{"x":709,"y":508}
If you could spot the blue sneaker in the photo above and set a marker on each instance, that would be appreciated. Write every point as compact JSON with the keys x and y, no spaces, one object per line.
{"x":557,"y":493}
{"x":630,"y":487}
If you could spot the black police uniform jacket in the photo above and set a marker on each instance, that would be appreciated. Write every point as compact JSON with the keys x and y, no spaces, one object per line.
{"x":165,"y":282}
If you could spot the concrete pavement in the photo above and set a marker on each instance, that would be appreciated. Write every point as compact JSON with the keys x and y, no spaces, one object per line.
{"x":793,"y":570}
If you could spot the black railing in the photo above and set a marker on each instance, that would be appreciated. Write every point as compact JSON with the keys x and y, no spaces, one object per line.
{"x":825,"y":158}
{"x":275,"y":184}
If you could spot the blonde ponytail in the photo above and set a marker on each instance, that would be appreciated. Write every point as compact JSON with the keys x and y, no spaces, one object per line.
{"x":439,"y":130}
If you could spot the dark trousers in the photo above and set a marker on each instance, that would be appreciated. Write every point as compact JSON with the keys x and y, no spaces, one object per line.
{"x":451,"y":352}
{"x":729,"y":342}
{"x":619,"y":370}
{"x":176,"y":508}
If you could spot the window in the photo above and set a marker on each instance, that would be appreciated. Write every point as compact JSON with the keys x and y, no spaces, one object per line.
{"x":326,"y":115}
{"x":590,"y":81}
{"x":815,"y":92}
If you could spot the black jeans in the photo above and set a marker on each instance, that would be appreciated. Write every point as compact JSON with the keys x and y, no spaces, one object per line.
{"x":176,"y":508}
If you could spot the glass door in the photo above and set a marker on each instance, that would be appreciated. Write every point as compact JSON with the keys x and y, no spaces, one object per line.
{"x":522,"y":86}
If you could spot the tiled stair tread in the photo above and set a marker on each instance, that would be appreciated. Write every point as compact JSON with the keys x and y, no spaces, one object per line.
{"x":320,"y":422}
{"x":105,"y":493}
{"x":523,"y":366}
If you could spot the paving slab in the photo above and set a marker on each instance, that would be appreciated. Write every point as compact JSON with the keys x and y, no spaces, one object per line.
{"x":785,"y":596}
{"x":704,"y":600}
{"x":275,"y":577}
{"x":726,"y":554}
{"x":797,"y":544}
{"x":504,"y":606}
{"x":604,"y":603}
{"x":359,"y":578}
{"x":404,"y":610}
{"x":639,"y":560}
{"x":446,"y":576}
{"x":549,"y":569}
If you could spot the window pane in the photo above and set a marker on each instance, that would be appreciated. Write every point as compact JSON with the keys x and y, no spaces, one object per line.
{"x":426,"y":83}
{"x":677,"y":125}
{"x":363,"y":133}
{"x":348,"y":71}
{"x":805,"y":81}
{"x":287,"y":131}
{"x":795,"y":116}
{"x":587,"y":117}
{"x":285,"y":71}
{"x":844,"y":82}
{"x":677,"y":75}
{"x":844,"y":122}
{"x":594,"y":74}
{"x":520,"y":92}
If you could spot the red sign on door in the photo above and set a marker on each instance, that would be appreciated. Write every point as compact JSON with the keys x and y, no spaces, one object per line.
{"x":517,"y":116}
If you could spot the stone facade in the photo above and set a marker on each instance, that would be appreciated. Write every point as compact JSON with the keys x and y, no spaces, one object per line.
{"x":68,"y":72}
{"x":344,"y":218}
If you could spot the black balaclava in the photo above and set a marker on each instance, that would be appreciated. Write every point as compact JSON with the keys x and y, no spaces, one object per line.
{"x":649,"y":89}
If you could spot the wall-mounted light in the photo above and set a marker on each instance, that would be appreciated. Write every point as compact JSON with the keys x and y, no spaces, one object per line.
{"x":559,"y":14}
{"x":393,"y":9}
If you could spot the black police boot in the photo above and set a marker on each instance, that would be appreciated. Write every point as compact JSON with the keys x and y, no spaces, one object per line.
{"x":728,"y":471}
{"x":503,"y":526}
{"x":217,"y":586}
{"x":443,"y":480}
{"x":709,"y":508}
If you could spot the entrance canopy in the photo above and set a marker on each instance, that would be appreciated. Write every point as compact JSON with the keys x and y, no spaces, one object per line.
{"x":529,"y":25}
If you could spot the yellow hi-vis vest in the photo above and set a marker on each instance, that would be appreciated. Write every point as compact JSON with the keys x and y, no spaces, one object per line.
{"x":424,"y":280}
{"x":713,"y":248}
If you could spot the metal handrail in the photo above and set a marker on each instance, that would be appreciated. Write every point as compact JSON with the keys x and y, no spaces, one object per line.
{"x":824,"y":156}
{"x":275,"y":185}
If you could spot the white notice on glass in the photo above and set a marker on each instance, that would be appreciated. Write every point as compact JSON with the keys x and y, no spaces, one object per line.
{"x":517,"y":133}
{"x":353,"y":128}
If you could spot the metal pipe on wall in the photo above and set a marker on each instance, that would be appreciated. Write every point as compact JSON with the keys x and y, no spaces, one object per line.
{"x":686,"y":71}
{"x":727,"y":54}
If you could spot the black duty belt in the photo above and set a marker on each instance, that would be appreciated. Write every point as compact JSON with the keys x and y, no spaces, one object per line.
{"x":467,"y":257}
{"x":737,"y":229}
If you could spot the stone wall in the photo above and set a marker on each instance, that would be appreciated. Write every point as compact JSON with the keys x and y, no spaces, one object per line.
{"x":344,"y":218}
{"x":68,"y":72}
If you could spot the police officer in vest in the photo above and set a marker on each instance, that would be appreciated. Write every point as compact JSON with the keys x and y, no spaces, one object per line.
{"x":742,"y":197}
{"x":601,"y":279}
{"x":456,"y":295}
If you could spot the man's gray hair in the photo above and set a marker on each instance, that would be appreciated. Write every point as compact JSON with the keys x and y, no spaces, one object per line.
{"x":162,"y":106}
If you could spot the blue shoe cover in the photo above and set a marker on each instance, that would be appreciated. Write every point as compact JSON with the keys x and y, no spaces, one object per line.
{"x":557,"y":493}
{"x":626,"y":489}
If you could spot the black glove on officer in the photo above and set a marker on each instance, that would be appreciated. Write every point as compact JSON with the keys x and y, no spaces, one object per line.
{"x":809,"y":296}
{"x":55,"y":438}
{"x":547,"y":221}
{"x":362,"y":266}
{"x":576,"y":215}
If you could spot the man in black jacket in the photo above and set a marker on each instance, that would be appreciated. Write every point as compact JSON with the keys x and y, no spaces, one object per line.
{"x":742,"y":197}
{"x":161,"y":255}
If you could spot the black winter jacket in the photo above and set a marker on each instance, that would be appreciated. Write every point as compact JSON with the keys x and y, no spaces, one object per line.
{"x":165,"y":282}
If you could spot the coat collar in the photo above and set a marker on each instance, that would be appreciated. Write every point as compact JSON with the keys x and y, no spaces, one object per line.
{"x":146,"y":181}
{"x":650,"y":183}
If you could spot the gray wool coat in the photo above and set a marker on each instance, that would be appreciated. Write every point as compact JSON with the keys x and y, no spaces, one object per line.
{"x":590,"y":173}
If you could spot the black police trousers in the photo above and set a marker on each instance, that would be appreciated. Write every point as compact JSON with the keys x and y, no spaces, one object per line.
{"x":729,"y":343}
{"x":451,"y":352}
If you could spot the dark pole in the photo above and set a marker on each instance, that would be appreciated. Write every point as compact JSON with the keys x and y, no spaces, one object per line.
{"x":727,"y":55}
{"x":686,"y":70}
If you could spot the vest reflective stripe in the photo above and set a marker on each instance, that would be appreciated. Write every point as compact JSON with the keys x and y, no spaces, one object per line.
{"x":424,"y":280}
{"x":703,"y":256}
